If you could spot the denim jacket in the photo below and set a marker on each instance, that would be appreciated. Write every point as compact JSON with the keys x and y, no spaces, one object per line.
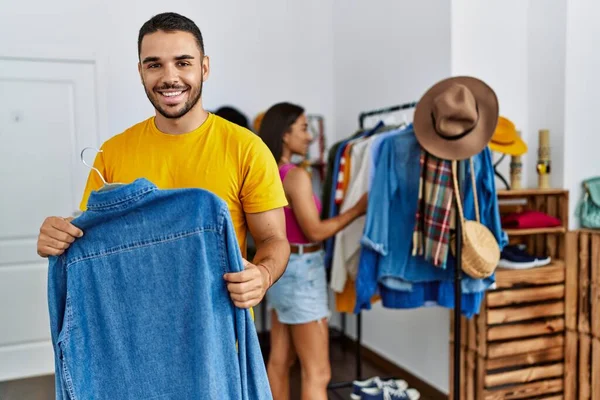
{"x":386,"y":258}
{"x":139,"y":308}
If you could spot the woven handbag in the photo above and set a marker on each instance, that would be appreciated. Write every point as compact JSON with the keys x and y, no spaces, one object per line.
{"x":480,"y":250}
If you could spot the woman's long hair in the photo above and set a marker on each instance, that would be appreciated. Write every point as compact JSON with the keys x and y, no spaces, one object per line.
{"x":276,"y":122}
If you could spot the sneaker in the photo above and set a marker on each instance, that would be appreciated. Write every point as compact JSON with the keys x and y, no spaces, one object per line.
{"x":515,"y":257}
{"x":358,"y":386}
{"x":390,"y":393}
{"x":375,"y":383}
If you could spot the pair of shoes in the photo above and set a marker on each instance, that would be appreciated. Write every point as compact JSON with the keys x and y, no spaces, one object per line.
{"x":375,"y":389}
{"x":390,"y":393}
{"x":515,"y":257}
{"x":374,"y":382}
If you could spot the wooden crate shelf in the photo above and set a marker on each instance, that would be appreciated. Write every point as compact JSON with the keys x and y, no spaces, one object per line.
{"x":582,"y":380}
{"x":515,"y":348}
{"x":535,"y":231}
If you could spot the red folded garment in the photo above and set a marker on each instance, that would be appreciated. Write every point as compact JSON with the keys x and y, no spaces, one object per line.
{"x":529,"y":220}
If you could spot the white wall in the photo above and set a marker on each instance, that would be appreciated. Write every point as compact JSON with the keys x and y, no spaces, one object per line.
{"x":485,"y":46}
{"x":546,"y":37}
{"x":524,"y":62}
{"x":261,"y":52}
{"x":387,"y":54}
{"x":582,"y":149}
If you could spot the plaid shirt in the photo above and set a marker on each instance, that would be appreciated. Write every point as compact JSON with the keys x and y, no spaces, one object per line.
{"x":435,"y":211}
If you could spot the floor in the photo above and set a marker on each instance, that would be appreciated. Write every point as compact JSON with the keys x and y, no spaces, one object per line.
{"x":343,"y":367}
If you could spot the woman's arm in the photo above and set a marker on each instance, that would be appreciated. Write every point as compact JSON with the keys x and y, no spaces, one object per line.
{"x":298,"y":189}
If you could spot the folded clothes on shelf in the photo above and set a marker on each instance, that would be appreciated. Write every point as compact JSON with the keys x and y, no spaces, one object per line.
{"x":530,"y":219}
{"x":377,"y":389}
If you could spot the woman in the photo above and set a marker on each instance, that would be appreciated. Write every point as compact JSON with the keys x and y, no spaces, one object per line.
{"x":299,"y":298}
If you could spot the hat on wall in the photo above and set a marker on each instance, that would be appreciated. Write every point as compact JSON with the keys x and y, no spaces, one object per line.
{"x":258,"y":121}
{"x":456,"y":118}
{"x":506,"y":139}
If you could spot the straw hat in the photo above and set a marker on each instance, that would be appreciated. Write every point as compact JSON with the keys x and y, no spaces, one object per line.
{"x":455,"y":119}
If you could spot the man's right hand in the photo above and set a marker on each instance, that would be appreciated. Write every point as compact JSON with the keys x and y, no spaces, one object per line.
{"x":56,"y":235}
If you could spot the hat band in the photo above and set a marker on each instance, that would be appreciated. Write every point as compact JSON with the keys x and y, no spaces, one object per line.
{"x":462,"y":135}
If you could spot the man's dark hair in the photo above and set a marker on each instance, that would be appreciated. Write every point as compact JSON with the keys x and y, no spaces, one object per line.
{"x":170,"y":22}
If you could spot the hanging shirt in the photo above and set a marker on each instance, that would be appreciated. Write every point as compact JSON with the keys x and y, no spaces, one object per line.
{"x":388,"y":231}
{"x":139,"y":308}
{"x":347,"y":241}
{"x":219,"y":156}
{"x":330,"y":209}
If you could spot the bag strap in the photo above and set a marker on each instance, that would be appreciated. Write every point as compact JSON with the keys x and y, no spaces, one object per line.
{"x":457,"y":193}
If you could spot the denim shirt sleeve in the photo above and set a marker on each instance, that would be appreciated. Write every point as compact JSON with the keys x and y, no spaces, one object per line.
{"x":491,"y":207}
{"x":385,"y":184}
{"x":375,"y":238}
{"x":57,"y":299}
{"x":486,"y":194}
{"x":252,"y":369}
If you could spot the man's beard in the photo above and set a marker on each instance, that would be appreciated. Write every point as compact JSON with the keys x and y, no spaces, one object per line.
{"x":193,"y":98}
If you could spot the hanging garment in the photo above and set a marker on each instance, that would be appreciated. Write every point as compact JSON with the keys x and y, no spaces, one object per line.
{"x":386,"y":264}
{"x":347,"y":241}
{"x":330,"y":208}
{"x":139,"y":308}
{"x":435,"y":210}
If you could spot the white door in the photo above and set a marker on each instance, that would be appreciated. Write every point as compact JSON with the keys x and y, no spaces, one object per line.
{"x":48,"y":114}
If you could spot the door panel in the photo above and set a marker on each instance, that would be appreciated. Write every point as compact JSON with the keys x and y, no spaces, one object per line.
{"x":47,"y":115}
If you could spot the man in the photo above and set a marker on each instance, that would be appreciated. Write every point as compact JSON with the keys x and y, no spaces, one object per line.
{"x":183,"y":146}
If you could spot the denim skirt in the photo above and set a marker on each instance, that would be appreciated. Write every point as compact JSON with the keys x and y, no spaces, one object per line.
{"x":300,"y":295}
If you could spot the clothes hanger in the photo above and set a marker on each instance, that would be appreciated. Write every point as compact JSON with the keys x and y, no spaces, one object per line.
{"x":106,"y":186}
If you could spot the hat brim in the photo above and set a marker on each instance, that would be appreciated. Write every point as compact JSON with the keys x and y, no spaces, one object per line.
{"x":472,"y":143}
{"x":516,"y":148}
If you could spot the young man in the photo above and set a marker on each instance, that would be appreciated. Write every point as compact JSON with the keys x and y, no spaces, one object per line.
{"x":183,"y":146}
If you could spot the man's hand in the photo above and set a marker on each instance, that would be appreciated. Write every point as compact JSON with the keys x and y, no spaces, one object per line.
{"x":248,"y":287}
{"x":56,"y":235}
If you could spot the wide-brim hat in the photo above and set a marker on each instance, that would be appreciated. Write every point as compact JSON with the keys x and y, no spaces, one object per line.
{"x":506,"y":139}
{"x":456,"y":118}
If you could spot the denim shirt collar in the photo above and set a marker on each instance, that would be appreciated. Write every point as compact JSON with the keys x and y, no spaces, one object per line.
{"x":105,"y":198}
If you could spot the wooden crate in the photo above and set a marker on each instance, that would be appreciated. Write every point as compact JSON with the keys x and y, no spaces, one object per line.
{"x":582,"y":380}
{"x":515,"y":347}
{"x":554,"y":202}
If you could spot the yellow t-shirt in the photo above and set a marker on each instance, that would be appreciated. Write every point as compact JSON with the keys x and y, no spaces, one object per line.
{"x":219,"y":156}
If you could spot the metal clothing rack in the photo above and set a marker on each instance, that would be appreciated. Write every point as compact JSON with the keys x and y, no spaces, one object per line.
{"x":498,"y":174}
{"x":457,"y":275}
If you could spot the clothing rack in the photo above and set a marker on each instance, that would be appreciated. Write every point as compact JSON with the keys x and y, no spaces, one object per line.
{"x":386,"y":110}
{"x":498,"y":174}
{"x":457,"y":274}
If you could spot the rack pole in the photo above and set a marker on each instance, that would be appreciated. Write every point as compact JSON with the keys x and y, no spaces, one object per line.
{"x":498,"y":174}
{"x":358,"y":345}
{"x":458,"y":288}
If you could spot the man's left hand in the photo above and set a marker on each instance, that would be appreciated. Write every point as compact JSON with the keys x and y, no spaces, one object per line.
{"x":248,"y":287}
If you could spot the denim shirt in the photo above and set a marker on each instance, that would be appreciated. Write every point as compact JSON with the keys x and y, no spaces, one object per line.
{"x":386,"y":258}
{"x":139,"y":308}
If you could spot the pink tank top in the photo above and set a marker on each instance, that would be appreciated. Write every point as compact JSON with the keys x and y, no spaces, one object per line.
{"x":293,"y":230}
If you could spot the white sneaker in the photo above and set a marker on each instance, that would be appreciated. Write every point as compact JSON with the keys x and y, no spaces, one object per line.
{"x":390,"y":393}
